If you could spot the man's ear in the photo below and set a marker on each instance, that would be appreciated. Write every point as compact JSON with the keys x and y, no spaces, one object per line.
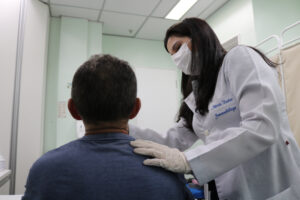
{"x":136,"y":108}
{"x":73,"y":110}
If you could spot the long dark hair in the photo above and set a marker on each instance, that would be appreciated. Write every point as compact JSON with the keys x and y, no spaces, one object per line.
{"x":207,"y":58}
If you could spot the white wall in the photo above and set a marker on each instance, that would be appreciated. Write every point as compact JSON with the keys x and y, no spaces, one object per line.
{"x":31,"y":111}
{"x":234,"y":18}
{"x":9,"y":19}
{"x":272,"y":16}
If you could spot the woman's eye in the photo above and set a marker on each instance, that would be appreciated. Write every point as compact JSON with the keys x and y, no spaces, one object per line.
{"x":176,"y":47}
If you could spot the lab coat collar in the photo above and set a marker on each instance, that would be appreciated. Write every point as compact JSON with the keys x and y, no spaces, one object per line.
{"x":191,"y":102}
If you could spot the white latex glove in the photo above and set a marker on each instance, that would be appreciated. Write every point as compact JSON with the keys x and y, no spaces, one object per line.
{"x":169,"y":158}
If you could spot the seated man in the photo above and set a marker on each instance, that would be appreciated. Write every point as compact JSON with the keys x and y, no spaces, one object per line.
{"x":102,"y":165}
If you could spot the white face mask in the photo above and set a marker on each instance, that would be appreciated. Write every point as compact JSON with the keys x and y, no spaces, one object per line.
{"x":183,"y":59}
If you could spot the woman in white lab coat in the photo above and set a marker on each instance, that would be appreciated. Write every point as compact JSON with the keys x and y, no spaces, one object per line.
{"x":233,"y":102}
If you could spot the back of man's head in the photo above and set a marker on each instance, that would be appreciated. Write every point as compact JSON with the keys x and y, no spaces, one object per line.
{"x":104,"y":89}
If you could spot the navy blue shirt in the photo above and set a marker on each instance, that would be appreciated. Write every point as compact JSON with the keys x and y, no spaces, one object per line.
{"x":101,"y":166}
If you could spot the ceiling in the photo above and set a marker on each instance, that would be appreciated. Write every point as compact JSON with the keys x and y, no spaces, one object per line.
{"x":142,"y":19}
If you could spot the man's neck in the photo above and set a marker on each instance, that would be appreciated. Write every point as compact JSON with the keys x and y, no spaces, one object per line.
{"x":120,"y":126}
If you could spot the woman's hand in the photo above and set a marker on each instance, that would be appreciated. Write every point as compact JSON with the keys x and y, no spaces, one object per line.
{"x":169,"y":158}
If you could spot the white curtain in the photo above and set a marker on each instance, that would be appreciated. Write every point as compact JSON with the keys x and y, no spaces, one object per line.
{"x":291,"y":68}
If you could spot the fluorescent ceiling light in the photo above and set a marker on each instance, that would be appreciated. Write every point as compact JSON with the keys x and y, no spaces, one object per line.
{"x":180,"y":9}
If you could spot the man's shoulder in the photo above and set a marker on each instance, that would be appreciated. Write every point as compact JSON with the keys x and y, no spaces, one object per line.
{"x":54,"y":157}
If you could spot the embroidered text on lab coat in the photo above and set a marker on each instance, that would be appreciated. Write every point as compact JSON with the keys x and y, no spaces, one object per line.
{"x":229,"y":109}
{"x":222,"y":102}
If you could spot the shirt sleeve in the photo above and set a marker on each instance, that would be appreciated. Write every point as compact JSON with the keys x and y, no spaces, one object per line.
{"x":33,"y":184}
{"x":43,"y":178}
{"x":179,"y":136}
{"x":256,"y":89}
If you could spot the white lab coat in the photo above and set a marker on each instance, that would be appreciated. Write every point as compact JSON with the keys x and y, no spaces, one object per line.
{"x":249,"y":148}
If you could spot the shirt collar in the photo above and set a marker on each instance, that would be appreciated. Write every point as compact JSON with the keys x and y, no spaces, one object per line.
{"x":107,"y":136}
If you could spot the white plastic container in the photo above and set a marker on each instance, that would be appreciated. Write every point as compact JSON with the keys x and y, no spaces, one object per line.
{"x":2,"y":163}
